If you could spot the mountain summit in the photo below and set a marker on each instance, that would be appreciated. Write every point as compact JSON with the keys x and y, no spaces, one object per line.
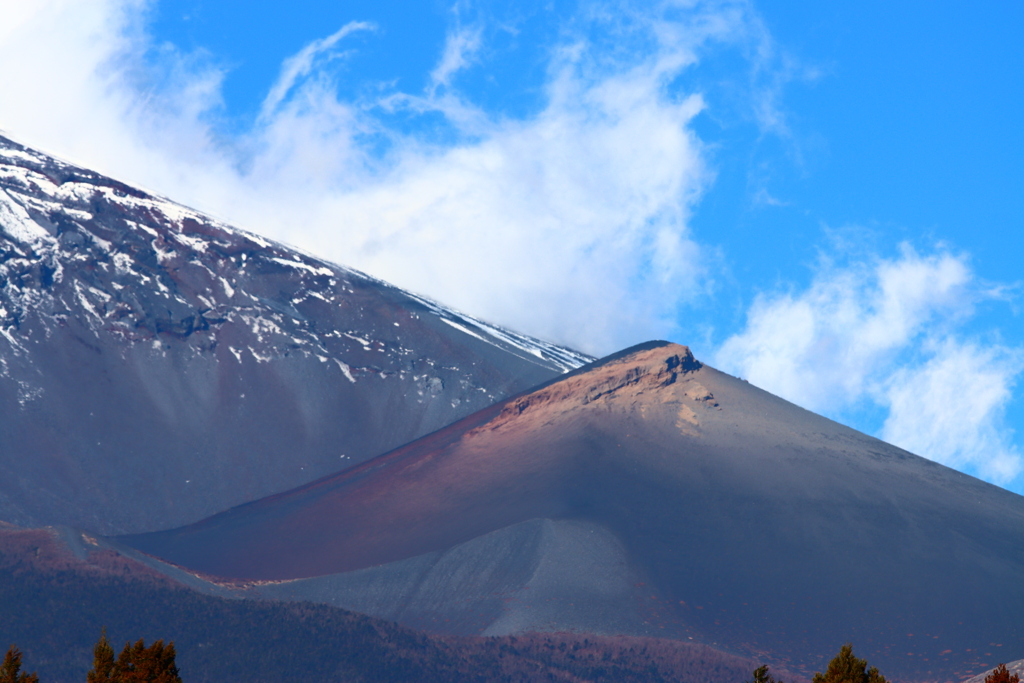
{"x":494,"y":468}
{"x":648,"y":493}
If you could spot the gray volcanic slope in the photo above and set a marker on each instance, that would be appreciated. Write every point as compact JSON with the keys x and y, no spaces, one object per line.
{"x":60,"y":587}
{"x":648,"y":493}
{"x":157,"y":366}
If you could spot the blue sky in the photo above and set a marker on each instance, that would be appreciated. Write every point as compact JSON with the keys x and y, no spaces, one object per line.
{"x":824,"y":198}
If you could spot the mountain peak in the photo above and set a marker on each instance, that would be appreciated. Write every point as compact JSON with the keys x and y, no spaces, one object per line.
{"x":638,"y":375}
{"x":661,"y":494}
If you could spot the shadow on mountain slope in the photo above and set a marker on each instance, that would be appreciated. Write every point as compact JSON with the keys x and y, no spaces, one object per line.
{"x":58,"y":589}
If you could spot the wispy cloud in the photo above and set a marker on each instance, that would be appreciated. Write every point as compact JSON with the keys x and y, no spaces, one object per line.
{"x":887,"y":333}
{"x":822,"y":346}
{"x":570,"y":223}
{"x":300,"y":64}
{"x":459,"y":47}
{"x":951,"y":408}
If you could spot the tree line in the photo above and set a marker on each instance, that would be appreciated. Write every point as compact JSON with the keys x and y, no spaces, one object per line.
{"x":845,"y":667}
{"x":136,"y":664}
{"x":155,"y":664}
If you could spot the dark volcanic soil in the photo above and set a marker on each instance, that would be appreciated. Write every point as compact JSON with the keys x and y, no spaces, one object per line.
{"x":59,"y":588}
{"x":648,"y":493}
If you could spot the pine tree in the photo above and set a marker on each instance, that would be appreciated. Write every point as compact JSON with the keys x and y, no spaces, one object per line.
{"x":846,"y":668}
{"x":761,"y":675}
{"x":1001,"y":675}
{"x":102,"y":661}
{"x":140,"y":664}
{"x":11,"y":668}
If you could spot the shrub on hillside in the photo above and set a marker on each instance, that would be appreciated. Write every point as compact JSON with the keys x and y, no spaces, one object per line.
{"x":846,"y":668}
{"x":10,"y":671}
{"x":136,"y":663}
{"x":1001,"y":675}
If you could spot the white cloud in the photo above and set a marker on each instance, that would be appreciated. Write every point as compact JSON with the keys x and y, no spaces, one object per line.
{"x":951,"y":409}
{"x":570,"y":223}
{"x":300,"y":64}
{"x":885,"y":333}
{"x":459,"y":48}
{"x":76,"y":83}
{"x":823,"y":347}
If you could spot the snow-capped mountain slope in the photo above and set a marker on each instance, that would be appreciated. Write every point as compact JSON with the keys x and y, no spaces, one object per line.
{"x":157,"y":365}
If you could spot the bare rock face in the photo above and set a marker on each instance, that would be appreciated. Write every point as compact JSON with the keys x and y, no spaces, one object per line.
{"x":645,"y":374}
{"x":157,"y":366}
{"x":645,"y":494}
